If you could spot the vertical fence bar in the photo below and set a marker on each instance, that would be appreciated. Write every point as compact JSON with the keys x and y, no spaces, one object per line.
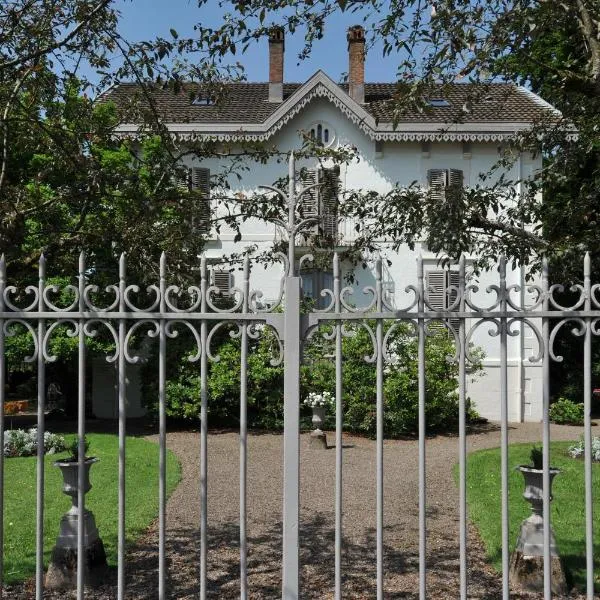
{"x":546,"y":437}
{"x":203,"y":430}
{"x":244,"y":436}
{"x":291,"y":439}
{"x":291,"y":407}
{"x":379,"y":427}
{"x":587,"y":404}
{"x":41,"y":372}
{"x":81,"y":431}
{"x":2,"y":425}
{"x":162,"y":432}
{"x":2,"y":399}
{"x":462,"y":433}
{"x":339,"y":423}
{"x":504,"y":428}
{"x":122,"y":416}
{"x":422,"y":432}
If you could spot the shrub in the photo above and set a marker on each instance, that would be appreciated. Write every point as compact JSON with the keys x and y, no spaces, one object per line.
{"x":400,"y":386}
{"x":578,"y":449}
{"x":19,"y":442}
{"x":265,"y":383}
{"x":566,"y":412}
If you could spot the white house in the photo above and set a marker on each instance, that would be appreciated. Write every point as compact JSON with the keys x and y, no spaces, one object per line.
{"x":431,"y":147}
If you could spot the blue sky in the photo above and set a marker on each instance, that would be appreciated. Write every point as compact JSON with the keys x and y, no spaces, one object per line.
{"x":144,"y":19}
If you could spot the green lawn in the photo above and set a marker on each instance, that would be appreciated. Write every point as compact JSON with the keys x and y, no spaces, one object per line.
{"x":568,"y":508}
{"x":141,"y":499}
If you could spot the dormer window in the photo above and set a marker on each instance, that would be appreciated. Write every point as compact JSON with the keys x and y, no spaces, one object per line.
{"x":438,"y":102}
{"x":203,"y":101}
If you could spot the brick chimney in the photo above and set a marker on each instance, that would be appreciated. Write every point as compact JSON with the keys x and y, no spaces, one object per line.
{"x":356,"y":67}
{"x":276,"y":49}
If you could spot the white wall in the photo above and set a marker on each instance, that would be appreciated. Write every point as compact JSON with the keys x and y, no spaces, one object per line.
{"x":400,"y":163}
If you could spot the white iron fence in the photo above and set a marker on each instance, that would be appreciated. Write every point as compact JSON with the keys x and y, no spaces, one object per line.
{"x":204,"y":317}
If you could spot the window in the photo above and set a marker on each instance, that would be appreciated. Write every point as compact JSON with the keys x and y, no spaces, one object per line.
{"x":313,"y":282}
{"x":199,"y":182}
{"x":322,"y":201}
{"x":322,"y":133}
{"x":438,"y":102}
{"x":445,"y":185}
{"x":439,"y":294}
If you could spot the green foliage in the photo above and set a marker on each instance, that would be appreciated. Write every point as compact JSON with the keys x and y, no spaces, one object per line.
{"x":566,"y":412}
{"x":265,"y":383}
{"x":536,"y":456}
{"x":73,"y":448}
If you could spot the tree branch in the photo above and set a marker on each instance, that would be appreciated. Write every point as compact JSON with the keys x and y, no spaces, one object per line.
{"x":58,"y":44}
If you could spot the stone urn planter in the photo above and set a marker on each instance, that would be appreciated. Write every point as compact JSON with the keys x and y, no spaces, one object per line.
{"x":62,"y":571}
{"x":527,"y":560}
{"x":318,"y":403}
{"x":318,"y":417}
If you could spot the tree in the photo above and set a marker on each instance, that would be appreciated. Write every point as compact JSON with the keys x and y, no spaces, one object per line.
{"x":551,"y":46}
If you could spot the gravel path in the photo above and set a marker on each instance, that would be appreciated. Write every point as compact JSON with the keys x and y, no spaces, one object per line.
{"x":317,"y":516}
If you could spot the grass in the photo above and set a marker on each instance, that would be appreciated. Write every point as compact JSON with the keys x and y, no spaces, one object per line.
{"x":141,"y":499}
{"x":568,"y":506}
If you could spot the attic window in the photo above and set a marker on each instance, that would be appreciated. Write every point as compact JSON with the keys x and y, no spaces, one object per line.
{"x":203,"y":101}
{"x":438,"y":102}
{"x":322,"y":133}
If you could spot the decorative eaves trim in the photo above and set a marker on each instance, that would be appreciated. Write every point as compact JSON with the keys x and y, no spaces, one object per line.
{"x":322,"y":86}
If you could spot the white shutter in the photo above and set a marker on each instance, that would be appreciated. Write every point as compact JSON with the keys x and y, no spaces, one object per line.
{"x":329,"y":195}
{"x":437,"y":179}
{"x":309,"y":203}
{"x":222,"y":281}
{"x":455,"y":185}
{"x":435,"y":282}
{"x":454,"y":280}
{"x":200,"y":183}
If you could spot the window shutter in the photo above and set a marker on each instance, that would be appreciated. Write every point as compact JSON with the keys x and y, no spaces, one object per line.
{"x":200,"y":183}
{"x":309,"y":204}
{"x":437,"y":180}
{"x":222,"y":281}
{"x":436,"y":284}
{"x":454,"y":280}
{"x":455,"y":185}
{"x":329,"y":194}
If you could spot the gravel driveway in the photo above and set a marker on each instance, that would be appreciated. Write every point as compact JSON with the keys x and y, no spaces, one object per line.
{"x":317,"y":516}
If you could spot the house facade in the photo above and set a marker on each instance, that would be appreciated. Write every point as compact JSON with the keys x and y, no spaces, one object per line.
{"x":447,"y":146}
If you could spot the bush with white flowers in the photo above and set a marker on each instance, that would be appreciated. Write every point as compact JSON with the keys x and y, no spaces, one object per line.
{"x":323,"y":399}
{"x":19,"y":442}
{"x":578,"y":449}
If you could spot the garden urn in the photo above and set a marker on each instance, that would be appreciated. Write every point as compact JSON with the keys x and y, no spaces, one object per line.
{"x":62,"y":571}
{"x":527,"y":561}
{"x":318,"y":438}
{"x":318,"y":417}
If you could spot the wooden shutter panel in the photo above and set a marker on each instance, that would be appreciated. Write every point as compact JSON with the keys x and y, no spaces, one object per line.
{"x":437,"y":179}
{"x":309,"y":204}
{"x":453,"y":280}
{"x":435,"y":281}
{"x":329,"y":194}
{"x":455,"y":185}
{"x":222,"y":281}
{"x":200,"y":183}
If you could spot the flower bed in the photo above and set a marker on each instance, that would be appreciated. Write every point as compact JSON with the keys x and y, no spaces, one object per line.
{"x":19,"y":442}
{"x":578,"y":450}
{"x":14,"y":407}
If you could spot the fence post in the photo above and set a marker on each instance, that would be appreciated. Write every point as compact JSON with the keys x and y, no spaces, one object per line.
{"x":291,"y":412}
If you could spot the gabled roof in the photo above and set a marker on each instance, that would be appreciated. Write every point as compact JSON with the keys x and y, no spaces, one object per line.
{"x":474,"y":111}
